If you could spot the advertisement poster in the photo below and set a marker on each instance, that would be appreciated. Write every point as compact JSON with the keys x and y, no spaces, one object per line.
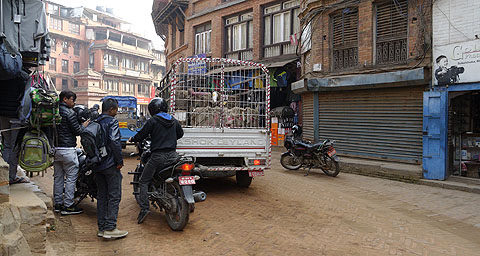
{"x":456,"y":63}
{"x":197,"y":68}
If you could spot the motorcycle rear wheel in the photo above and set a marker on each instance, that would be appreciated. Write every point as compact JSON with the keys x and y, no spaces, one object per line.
{"x":290,"y":162}
{"x":330,"y":167}
{"x":179,"y":219}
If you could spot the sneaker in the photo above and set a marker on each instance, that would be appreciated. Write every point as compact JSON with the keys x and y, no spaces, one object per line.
{"x":142,"y":216}
{"x":72,"y":210}
{"x":58,"y":208}
{"x":114,"y":233}
{"x":100,"y":233}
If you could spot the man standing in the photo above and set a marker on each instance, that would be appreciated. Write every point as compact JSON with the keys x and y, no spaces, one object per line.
{"x":164,"y":131}
{"x":66,"y":160}
{"x":108,"y":174}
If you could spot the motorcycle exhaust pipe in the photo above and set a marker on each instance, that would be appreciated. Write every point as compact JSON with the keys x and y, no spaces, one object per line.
{"x":199,"y":196}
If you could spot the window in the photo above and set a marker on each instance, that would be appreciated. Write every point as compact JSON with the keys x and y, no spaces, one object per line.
{"x":144,"y":89}
{"x":110,"y":60}
{"x":75,"y":83}
{"x":52,"y":65}
{"x":111,"y":86}
{"x":76,"y":67}
{"x":91,"y":61}
{"x":128,"y":88}
{"x":52,"y":9}
{"x":391,"y":31}
{"x":128,"y":63}
{"x":239,"y":33}
{"x":55,"y":23}
{"x":65,"y":47}
{"x":74,"y":28}
{"x":65,"y":66}
{"x":345,"y":39}
{"x":53,"y":44}
{"x":64,"y":84}
{"x":143,"y":66}
{"x":306,"y":37}
{"x":281,"y":28}
{"x":76,"y":49}
{"x":173,"y":36}
{"x":202,"y":39}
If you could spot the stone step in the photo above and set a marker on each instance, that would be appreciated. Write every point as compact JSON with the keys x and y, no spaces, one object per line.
{"x":466,"y":180}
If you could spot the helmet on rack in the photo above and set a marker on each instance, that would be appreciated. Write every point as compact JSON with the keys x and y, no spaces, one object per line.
{"x":296,"y":130}
{"x":83,"y":113}
{"x":157,"y":105}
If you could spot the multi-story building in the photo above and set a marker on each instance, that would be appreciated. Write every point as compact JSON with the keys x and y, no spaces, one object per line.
{"x":158,"y":69}
{"x":365,"y":66}
{"x":265,"y":31}
{"x":95,"y":57}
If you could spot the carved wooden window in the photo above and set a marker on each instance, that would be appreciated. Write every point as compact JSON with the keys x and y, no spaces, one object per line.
{"x":345,"y":39}
{"x":391,"y":31}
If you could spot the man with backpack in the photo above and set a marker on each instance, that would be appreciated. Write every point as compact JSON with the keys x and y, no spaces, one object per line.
{"x":66,"y":160}
{"x":108,"y":174}
{"x":164,"y":131}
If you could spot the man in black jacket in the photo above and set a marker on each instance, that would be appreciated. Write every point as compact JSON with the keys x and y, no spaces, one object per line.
{"x":108,"y":174}
{"x":66,"y":161}
{"x":164,"y":131}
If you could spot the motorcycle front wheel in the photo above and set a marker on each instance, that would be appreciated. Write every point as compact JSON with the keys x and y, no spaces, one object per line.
{"x":177,"y":219}
{"x":290,"y":162}
{"x":330,"y":167}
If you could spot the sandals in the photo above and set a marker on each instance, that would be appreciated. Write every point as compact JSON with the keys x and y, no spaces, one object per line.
{"x":19,"y":180}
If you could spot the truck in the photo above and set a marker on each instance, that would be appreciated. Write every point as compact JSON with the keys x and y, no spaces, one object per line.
{"x":223,"y":106}
{"x":126,"y":116}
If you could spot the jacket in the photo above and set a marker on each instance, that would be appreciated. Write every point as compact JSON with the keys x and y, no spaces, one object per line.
{"x":10,"y":97}
{"x":111,"y":137}
{"x":164,"y":131}
{"x":69,"y":128}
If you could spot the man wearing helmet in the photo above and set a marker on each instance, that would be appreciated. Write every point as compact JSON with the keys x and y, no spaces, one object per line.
{"x":164,"y":131}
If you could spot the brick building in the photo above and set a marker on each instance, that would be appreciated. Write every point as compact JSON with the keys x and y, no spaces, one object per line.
{"x":365,"y":66}
{"x":263,"y":31}
{"x":94,"y":57}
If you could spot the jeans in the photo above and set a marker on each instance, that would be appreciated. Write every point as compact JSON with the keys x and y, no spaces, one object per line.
{"x":109,"y":194}
{"x":65,"y":175}
{"x":157,"y":161}
{"x":10,"y":152}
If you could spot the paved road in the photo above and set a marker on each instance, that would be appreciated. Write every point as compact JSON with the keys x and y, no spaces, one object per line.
{"x":285,"y":213}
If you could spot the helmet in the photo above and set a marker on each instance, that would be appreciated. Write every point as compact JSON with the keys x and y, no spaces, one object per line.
{"x":83,"y":113}
{"x":296,"y":130}
{"x":96,"y":106}
{"x":157,"y":105}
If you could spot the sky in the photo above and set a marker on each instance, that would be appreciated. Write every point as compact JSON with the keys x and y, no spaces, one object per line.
{"x":137,"y":12}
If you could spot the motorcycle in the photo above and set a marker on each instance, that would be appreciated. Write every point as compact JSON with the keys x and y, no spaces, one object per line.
{"x":171,"y":188}
{"x":302,"y":153}
{"x":85,"y":185}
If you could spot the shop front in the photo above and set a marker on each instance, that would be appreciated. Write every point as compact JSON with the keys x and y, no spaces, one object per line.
{"x":142,"y":105}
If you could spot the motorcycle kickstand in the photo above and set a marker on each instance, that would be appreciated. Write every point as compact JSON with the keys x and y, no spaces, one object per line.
{"x":308,"y":171}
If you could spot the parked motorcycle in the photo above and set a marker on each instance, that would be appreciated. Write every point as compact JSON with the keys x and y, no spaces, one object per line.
{"x":85,"y":185}
{"x":171,"y":188}
{"x":302,"y":153}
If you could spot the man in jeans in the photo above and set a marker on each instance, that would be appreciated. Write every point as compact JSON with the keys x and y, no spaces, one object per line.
{"x":66,"y":160}
{"x":108,"y":174}
{"x":164,"y":131}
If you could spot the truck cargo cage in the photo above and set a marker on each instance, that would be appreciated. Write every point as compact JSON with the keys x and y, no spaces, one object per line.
{"x":217,"y":92}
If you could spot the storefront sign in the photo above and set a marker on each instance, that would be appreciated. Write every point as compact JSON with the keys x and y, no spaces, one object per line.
{"x":456,"y":63}
{"x":143,"y":100}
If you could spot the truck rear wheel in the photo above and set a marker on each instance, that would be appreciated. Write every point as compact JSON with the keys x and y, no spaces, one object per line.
{"x":243,"y":180}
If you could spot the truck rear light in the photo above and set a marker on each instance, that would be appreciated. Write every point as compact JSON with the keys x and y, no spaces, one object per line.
{"x":256,"y":162}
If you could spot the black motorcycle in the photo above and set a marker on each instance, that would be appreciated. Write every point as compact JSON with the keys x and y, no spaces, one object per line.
{"x":301,"y":153}
{"x":171,"y":188}
{"x":85,"y":185}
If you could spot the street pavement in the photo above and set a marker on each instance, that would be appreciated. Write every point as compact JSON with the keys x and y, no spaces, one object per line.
{"x":286,"y":213}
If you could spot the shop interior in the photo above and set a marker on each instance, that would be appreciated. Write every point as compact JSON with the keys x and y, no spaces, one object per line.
{"x":464,"y":134}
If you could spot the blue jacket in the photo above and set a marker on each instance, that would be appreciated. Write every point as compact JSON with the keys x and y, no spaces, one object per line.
{"x":111,"y":136}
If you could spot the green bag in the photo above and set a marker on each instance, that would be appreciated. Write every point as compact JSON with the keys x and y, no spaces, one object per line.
{"x":45,"y":108}
{"x":36,"y":154}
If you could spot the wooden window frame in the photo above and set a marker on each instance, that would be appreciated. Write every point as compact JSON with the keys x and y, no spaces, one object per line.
{"x":339,"y":51}
{"x":65,"y":67}
{"x":206,"y":33}
{"x":248,"y":41}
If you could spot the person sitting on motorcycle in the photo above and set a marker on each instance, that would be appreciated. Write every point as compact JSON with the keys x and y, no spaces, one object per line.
{"x":164,"y":131}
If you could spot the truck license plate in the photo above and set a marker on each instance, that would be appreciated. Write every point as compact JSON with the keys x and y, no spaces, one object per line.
{"x":255,"y":173}
{"x":186,"y":180}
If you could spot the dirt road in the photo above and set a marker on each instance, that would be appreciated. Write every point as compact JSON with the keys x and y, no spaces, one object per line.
{"x":285,"y":213}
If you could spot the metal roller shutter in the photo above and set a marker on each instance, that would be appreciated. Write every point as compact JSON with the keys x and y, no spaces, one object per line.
{"x":380,"y":123}
{"x":307,"y":116}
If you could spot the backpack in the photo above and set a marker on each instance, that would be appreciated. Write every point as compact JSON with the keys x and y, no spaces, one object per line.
{"x":36,"y":154}
{"x":93,"y":143}
{"x":45,"y":108}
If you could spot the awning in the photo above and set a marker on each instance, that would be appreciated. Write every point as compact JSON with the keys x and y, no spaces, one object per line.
{"x":278,"y":64}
